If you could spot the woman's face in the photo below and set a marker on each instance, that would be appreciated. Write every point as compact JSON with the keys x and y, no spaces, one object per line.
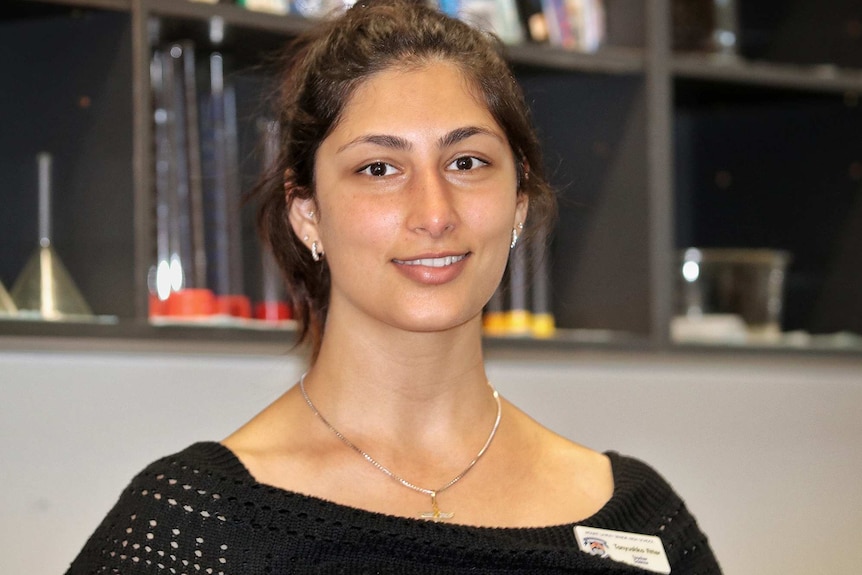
{"x":416,"y":200}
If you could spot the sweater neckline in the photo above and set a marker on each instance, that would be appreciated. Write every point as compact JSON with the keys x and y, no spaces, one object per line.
{"x":619,"y":504}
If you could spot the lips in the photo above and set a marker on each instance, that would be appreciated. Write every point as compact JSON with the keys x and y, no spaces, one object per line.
{"x":433,"y":269}
{"x":438,"y":262}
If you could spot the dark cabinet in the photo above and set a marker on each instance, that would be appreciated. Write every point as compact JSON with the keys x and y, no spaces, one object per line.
{"x":651,"y":151}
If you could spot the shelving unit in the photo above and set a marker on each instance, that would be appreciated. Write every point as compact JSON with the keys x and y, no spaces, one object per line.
{"x":823,"y":78}
{"x":638,"y":141}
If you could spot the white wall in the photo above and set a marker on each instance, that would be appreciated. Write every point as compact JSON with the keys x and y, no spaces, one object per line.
{"x":766,"y":451}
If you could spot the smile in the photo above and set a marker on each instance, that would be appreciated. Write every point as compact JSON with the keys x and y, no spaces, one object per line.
{"x":432,"y":262}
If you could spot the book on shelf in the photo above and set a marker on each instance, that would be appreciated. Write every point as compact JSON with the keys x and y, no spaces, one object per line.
{"x":575,"y":24}
{"x":533,"y":21}
{"x":500,"y":17}
{"x":269,"y":6}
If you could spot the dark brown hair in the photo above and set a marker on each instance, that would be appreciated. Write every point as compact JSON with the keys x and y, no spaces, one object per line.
{"x":324,"y":67}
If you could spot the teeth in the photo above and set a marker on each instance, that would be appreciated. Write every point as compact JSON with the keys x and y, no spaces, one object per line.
{"x":432,"y":262}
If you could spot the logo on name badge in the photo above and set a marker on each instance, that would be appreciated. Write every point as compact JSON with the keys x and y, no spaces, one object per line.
{"x":644,"y":551}
{"x":596,"y":546}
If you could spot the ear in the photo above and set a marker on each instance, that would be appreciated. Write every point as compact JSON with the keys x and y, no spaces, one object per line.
{"x":302,"y":213}
{"x":522,"y":204}
{"x":522,"y":201}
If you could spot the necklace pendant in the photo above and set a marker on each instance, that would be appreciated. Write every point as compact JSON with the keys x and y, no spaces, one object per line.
{"x":435,"y":514}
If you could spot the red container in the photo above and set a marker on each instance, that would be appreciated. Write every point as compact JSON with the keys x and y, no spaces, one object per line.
{"x":272,"y":311}
{"x":158,"y":307}
{"x":233,"y":305}
{"x":191,"y":302}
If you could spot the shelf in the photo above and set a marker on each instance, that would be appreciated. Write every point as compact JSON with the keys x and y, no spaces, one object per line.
{"x":131,"y":335}
{"x":230,"y":15}
{"x":117,"y":5}
{"x":643,"y":147}
{"x":824,"y":78}
{"x":128,"y":336}
{"x":610,"y":60}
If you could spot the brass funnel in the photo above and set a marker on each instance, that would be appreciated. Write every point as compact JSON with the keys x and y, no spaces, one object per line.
{"x":44,"y":285}
{"x":7,"y":306}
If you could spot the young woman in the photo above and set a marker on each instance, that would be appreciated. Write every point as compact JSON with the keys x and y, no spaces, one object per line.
{"x":407,"y":172}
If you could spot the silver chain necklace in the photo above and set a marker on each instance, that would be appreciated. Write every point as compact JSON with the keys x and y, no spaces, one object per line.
{"x":435,"y":514}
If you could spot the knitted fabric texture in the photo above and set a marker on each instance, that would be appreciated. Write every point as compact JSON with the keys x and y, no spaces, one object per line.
{"x":201,"y":512}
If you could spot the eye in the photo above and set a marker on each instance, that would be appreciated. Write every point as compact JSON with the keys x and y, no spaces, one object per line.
{"x":377,"y":169}
{"x":465,"y":163}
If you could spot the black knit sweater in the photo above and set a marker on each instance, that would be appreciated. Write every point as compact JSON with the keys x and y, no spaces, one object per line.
{"x":201,"y":512}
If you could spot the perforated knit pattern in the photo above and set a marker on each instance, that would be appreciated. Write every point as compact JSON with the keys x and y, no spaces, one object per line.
{"x":201,"y":512}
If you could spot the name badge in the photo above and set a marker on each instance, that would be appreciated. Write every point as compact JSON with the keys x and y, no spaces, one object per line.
{"x":644,"y":551}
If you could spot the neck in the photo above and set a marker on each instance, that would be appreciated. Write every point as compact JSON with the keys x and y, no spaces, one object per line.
{"x":413,"y":364}
{"x":392,"y":388}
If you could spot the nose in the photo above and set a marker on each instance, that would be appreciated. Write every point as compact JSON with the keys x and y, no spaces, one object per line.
{"x":431,"y":205}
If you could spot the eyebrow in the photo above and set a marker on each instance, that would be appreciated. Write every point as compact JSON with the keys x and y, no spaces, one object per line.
{"x":383,"y":140}
{"x":399,"y":143}
{"x":459,"y":134}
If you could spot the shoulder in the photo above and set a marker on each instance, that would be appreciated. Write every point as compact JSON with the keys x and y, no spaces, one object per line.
{"x":173,"y":510}
{"x":634,"y":476}
{"x":201,"y":465}
{"x":203,"y":459}
{"x":196,"y":479}
{"x":642,"y":498}
{"x":192,"y":482}
{"x":645,"y":502}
